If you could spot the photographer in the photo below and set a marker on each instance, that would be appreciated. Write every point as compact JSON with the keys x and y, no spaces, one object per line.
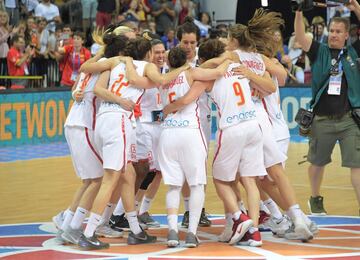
{"x":335,"y":97}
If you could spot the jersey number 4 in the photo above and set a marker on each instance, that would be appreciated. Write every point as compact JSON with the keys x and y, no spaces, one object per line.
{"x":118,"y":84}
{"x":239,"y":93}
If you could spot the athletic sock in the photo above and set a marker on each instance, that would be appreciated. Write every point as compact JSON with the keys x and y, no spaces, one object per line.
{"x":229,"y":219}
{"x":67,"y":219}
{"x":196,"y":202}
{"x":262,"y":207}
{"x":109,"y":209}
{"x":133,"y":222}
{"x":119,"y":210}
{"x":295,"y":213}
{"x":93,"y":223}
{"x":236,"y":215}
{"x":173,"y":222}
{"x":79,"y":217}
{"x":252,"y":230}
{"x":145,"y":205}
{"x":242,"y":206}
{"x":273,"y":208}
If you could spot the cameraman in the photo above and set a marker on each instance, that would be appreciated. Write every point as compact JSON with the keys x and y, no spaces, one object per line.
{"x":335,"y":92}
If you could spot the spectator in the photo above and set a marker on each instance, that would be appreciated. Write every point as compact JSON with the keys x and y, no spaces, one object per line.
{"x":169,"y":39}
{"x":4,"y":34}
{"x":319,"y":29}
{"x":13,"y":10}
{"x":42,"y":47}
{"x":164,"y":14}
{"x":335,"y":92}
{"x":74,"y":56}
{"x":296,"y":74}
{"x":17,"y":61}
{"x":204,"y":24}
{"x":281,"y":48}
{"x":186,"y":10}
{"x":133,"y":14}
{"x":30,"y":6}
{"x":104,"y":11}
{"x":88,"y":13}
{"x":50,"y":12}
{"x":354,"y":33}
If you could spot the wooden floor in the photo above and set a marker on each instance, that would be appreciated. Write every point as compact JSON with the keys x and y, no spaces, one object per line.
{"x":36,"y":190}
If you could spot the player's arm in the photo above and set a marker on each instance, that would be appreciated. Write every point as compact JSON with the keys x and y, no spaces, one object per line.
{"x":134,"y":78}
{"x":101,"y":91}
{"x":263,"y":83}
{"x":77,"y":94}
{"x":210,"y":74}
{"x":152,"y":72}
{"x":197,"y":88}
{"x":276,"y":69}
{"x":92,"y":66}
{"x":214,"y":62}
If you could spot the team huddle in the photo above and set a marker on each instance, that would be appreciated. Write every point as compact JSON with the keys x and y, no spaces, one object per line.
{"x":141,"y":115}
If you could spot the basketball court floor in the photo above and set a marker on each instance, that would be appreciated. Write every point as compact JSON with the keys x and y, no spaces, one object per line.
{"x":36,"y":182}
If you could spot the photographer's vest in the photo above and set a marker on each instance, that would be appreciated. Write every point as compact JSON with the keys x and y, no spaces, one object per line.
{"x":321,"y":73}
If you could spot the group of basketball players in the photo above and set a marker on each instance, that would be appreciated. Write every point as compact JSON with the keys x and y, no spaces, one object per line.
{"x":141,"y":115}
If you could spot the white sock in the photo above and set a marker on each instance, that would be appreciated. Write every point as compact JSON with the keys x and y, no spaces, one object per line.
{"x":273,"y":208}
{"x":186,"y":203}
{"x":236,"y":215}
{"x":306,"y":219}
{"x":145,"y":205}
{"x":93,"y":223}
{"x":228,"y":219}
{"x":67,"y":219}
{"x":295,"y":213}
{"x":242,"y":206}
{"x":78,"y":218}
{"x":253,"y":229}
{"x":108,"y":211}
{"x":196,"y":202}
{"x":173,"y":222}
{"x":119,"y":210}
{"x":133,"y":222}
{"x":263,"y":207}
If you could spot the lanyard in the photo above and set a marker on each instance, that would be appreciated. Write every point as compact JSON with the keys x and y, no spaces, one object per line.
{"x":339,"y":68}
{"x":74,"y":67}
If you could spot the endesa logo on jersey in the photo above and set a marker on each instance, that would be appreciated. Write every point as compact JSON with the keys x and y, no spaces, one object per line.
{"x":175,"y":123}
{"x":241,"y":117}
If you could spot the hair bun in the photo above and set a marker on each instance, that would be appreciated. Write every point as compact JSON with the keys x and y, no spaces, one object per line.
{"x":108,"y":38}
{"x":188,"y":19}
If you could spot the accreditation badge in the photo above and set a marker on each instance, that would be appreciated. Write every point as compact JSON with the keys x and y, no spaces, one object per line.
{"x":335,"y":84}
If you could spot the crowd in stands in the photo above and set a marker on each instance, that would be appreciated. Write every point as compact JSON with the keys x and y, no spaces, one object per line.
{"x":53,"y":38}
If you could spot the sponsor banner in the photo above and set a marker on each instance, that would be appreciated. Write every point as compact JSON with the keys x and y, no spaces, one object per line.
{"x":39,"y":117}
{"x":33,"y":118}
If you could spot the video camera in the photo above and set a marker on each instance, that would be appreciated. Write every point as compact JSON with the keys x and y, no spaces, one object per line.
{"x":306,"y":5}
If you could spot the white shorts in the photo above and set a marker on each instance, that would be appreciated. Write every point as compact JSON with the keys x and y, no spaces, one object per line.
{"x":182,"y":156}
{"x":239,"y":148}
{"x":147,"y":135}
{"x":283,"y":145}
{"x":86,"y":160}
{"x":272,"y":153}
{"x":113,"y":139}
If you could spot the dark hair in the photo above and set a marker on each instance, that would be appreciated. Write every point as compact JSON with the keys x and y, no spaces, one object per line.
{"x":188,"y":27}
{"x":208,"y":15}
{"x":16,"y":38}
{"x":177,"y":57}
{"x":211,"y":48}
{"x":114,"y":44}
{"x":156,"y":42}
{"x":137,"y":48}
{"x":343,"y":20}
{"x":241,"y":33}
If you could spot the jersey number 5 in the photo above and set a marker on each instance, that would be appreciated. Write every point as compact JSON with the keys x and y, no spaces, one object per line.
{"x":239,"y":92}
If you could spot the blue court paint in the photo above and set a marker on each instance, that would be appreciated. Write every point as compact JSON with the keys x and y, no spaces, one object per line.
{"x":25,"y":229}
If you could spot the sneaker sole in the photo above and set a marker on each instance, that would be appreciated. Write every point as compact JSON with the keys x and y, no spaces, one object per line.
{"x":173,"y":243}
{"x":255,"y":243}
{"x":191,"y":245}
{"x":300,"y":234}
{"x":88,"y":248}
{"x":243,"y":229}
{"x":314,"y":213}
{"x":69,"y":239}
{"x":109,"y":236}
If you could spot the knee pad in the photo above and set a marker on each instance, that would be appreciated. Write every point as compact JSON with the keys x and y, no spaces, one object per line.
{"x":147,"y":181}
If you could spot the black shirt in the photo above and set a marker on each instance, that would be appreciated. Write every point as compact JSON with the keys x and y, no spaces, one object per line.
{"x":334,"y":105}
{"x":106,"y":6}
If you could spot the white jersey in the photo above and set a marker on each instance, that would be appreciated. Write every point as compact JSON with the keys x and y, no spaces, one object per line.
{"x":255,"y":63}
{"x":83,"y":113}
{"x":232,"y":97}
{"x":150,"y":101}
{"x":272,"y":106}
{"x":119,"y":85}
{"x":188,"y":116}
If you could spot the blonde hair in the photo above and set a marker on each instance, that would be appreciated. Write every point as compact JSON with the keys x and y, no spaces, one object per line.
{"x":99,"y":34}
{"x":7,"y":18}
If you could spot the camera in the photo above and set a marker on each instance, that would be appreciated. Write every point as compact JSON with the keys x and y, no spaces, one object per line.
{"x":304,"y":119}
{"x":306,"y":5}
